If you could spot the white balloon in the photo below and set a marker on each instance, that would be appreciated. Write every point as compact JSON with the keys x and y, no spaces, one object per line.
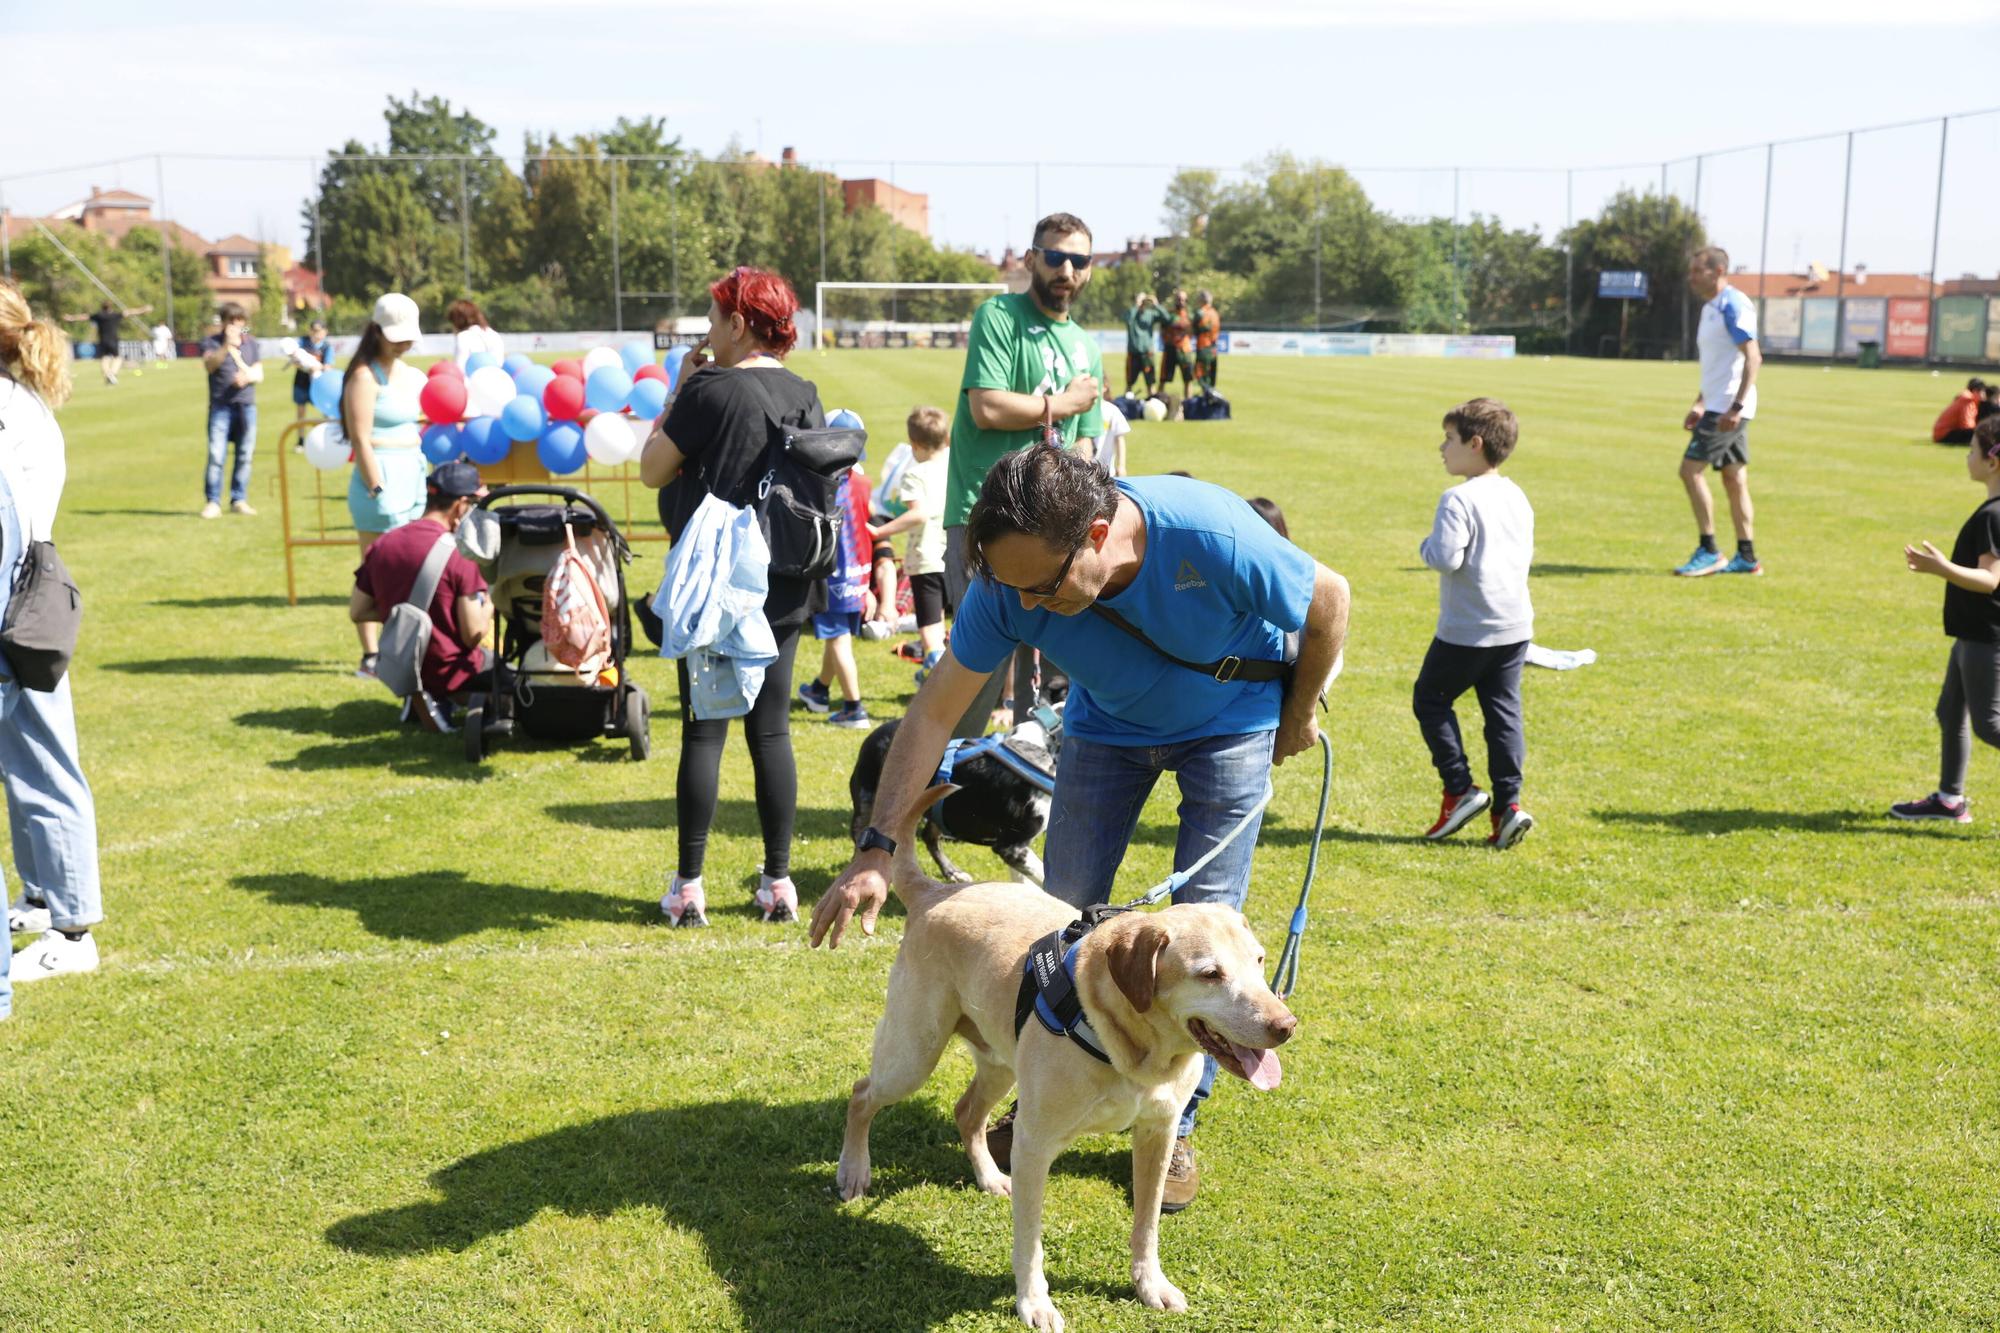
{"x":327,"y":446}
{"x":642,"y":430}
{"x":487,"y":390}
{"x":607,"y":439}
{"x":597,"y":357}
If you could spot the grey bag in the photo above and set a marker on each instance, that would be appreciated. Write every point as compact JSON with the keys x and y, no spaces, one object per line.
{"x":406,"y":630}
{"x":39,"y":636}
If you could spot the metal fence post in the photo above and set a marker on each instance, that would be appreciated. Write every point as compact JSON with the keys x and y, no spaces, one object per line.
{"x":319,"y":235}
{"x":1456,"y":297}
{"x":1316,"y":250}
{"x":823,"y":175}
{"x":1840,"y":273}
{"x":166,"y":234}
{"x":674,"y":233}
{"x":1764,"y":244}
{"x":1937,"y":222}
{"x":617,"y":274}
{"x":464,"y":227}
{"x":1687,"y":296}
{"x":1569,"y":263}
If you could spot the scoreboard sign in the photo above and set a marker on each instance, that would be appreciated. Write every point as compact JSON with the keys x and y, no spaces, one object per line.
{"x":1622,"y":285}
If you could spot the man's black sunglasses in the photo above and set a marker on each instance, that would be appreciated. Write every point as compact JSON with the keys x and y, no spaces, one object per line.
{"x":1053,"y":586}
{"x":1057,"y":258}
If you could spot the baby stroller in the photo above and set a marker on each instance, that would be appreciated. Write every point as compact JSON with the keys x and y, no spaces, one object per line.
{"x":515,"y":545}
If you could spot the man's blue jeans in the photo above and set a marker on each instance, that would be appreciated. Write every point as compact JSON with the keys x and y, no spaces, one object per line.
{"x":1100,"y":791}
{"x":49,"y":808}
{"x":231,"y":423}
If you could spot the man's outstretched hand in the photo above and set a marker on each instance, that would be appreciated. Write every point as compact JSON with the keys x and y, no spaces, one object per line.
{"x":863,"y":887}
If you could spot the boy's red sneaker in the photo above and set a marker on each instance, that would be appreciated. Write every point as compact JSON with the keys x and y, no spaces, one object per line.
{"x":1456,"y":810}
{"x":1509,"y":827}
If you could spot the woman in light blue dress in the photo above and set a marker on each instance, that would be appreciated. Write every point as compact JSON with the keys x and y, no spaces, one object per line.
{"x":378,"y":410}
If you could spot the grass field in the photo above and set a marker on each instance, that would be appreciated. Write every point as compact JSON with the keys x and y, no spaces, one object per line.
{"x":385,"y":1041}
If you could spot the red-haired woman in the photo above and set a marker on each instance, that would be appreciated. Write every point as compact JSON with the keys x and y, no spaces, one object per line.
{"x":731,"y":388}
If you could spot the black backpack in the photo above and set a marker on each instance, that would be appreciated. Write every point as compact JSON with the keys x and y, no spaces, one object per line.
{"x":1130,"y":406}
{"x":794,"y":491}
{"x":1205,"y":407}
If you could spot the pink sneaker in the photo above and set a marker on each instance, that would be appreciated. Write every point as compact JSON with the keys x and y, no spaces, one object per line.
{"x":777,"y":898}
{"x":685,"y":903}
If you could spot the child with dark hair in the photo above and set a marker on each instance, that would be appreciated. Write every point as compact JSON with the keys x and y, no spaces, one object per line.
{"x":1969,"y":703}
{"x":1481,"y":544}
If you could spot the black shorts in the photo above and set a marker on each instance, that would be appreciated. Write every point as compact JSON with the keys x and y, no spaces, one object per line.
{"x":107,"y":349}
{"x":927,"y":591}
{"x":1138,"y":366}
{"x":1718,"y":448}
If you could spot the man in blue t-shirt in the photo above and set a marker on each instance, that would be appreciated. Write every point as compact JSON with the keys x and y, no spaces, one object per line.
{"x":1199,"y":573}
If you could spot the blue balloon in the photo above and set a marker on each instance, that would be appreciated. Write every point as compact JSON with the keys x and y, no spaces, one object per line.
{"x":478,"y":361}
{"x":517,"y":362}
{"x":561,"y":447}
{"x":671,"y":363}
{"x":485,"y":443}
{"x":842,"y":419}
{"x":523,"y":418}
{"x":649,"y":398}
{"x":325,"y":392}
{"x":443,"y":443}
{"x":607,"y":389}
{"x":634,"y":355}
{"x":534,"y":379}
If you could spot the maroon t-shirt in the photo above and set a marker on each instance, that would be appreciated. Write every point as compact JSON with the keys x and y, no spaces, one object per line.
{"x":387,"y":574}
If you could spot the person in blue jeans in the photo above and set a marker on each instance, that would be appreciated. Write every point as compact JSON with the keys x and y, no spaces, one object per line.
{"x":230,"y":357}
{"x":1201,"y":574}
{"x":10,"y":691}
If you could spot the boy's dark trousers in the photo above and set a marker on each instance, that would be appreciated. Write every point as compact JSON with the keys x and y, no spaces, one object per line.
{"x":1494,"y":674}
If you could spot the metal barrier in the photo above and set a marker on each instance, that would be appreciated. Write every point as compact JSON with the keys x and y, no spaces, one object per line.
{"x":521,"y":466}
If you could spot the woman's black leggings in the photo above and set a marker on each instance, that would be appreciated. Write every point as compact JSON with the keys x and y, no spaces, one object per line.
{"x":768,"y":730}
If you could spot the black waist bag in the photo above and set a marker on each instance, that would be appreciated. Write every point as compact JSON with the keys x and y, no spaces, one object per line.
{"x":39,"y":633}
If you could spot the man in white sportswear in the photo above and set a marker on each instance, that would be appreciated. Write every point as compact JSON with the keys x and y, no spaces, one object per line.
{"x":1726,"y":341}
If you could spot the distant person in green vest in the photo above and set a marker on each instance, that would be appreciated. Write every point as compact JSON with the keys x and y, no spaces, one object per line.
{"x":1030,"y":374}
{"x":1141,"y":321}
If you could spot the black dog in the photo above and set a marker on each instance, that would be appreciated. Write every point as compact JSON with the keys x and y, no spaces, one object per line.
{"x":994,"y":806}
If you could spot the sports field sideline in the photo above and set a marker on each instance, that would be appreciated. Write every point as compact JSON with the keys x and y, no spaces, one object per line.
{"x":383,"y":1040}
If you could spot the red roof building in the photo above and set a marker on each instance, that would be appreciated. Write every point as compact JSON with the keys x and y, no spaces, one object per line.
{"x":1859,"y":283}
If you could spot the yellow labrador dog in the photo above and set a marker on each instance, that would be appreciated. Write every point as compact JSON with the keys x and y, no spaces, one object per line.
{"x":1159,"y":988}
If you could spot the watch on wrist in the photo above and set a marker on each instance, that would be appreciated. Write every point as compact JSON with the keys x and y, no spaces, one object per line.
{"x":872,"y":837}
{"x":375,"y":491}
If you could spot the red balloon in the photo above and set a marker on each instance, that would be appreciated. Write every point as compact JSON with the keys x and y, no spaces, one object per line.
{"x":569,"y":370}
{"x":443,"y":399}
{"x":563,"y":398}
{"x":445,"y":367}
{"x":651,"y":372}
{"x":585,"y":417}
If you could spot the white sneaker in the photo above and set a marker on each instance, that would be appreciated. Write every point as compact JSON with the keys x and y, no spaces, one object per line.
{"x":54,"y":954}
{"x":242,"y":507}
{"x":211,"y":510}
{"x":684,"y":902}
{"x":26,"y":918}
{"x":777,"y":898}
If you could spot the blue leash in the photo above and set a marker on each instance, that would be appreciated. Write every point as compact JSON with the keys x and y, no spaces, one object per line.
{"x":1287,"y":975}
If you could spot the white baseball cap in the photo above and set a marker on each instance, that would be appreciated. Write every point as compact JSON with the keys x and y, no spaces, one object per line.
{"x":397,"y":314}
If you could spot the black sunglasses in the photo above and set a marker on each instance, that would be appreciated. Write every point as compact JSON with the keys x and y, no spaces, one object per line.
{"x":1057,"y":258}
{"x":1053,"y":586}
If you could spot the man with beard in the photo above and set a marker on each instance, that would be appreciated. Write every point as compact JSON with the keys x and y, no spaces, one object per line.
{"x":1030,"y":374}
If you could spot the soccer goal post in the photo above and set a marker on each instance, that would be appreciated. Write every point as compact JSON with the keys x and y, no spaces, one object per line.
{"x":896,"y":314}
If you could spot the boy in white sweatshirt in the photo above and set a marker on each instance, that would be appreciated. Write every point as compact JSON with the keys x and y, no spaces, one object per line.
{"x":1481,"y":543}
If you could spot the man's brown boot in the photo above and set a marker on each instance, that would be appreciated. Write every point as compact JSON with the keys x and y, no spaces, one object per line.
{"x":1182,"y":1177}
{"x":1000,"y":1139}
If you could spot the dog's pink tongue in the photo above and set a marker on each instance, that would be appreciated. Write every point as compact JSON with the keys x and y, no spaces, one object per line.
{"x":1260,"y":1067}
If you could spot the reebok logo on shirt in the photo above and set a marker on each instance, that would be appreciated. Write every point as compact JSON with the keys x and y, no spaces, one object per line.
{"x":1188,"y":577}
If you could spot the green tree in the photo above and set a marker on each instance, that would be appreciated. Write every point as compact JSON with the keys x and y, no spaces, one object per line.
{"x":268,"y":321}
{"x":1634,"y":231}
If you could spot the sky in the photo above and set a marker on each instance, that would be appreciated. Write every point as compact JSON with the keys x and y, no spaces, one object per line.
{"x":1107,"y":96}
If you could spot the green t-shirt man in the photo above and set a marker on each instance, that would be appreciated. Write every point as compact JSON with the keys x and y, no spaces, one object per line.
{"x":1140,"y":321}
{"x":1016,"y":348}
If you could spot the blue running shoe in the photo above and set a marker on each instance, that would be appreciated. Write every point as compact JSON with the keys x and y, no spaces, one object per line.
{"x":1701,"y":562}
{"x":930,"y":664}
{"x":813,"y":695}
{"x":1738,"y":565}
{"x":853,"y":716}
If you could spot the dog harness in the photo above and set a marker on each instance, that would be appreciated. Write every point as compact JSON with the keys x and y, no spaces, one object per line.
{"x":964,"y":750}
{"x":1048,"y":985}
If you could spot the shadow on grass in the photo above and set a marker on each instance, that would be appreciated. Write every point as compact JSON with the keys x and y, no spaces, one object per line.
{"x":228,"y":666}
{"x":1584,"y":571}
{"x":737,"y":818}
{"x":234,"y":603}
{"x":443,"y":905}
{"x":366,"y":733}
{"x":754,"y":1181}
{"x":133,"y":513}
{"x":1715,"y":822}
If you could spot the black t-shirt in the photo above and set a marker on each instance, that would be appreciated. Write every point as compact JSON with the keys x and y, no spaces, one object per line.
{"x":1968,"y":615}
{"x":722,"y":423}
{"x":107,"y":322}
{"x":1985,"y":409}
